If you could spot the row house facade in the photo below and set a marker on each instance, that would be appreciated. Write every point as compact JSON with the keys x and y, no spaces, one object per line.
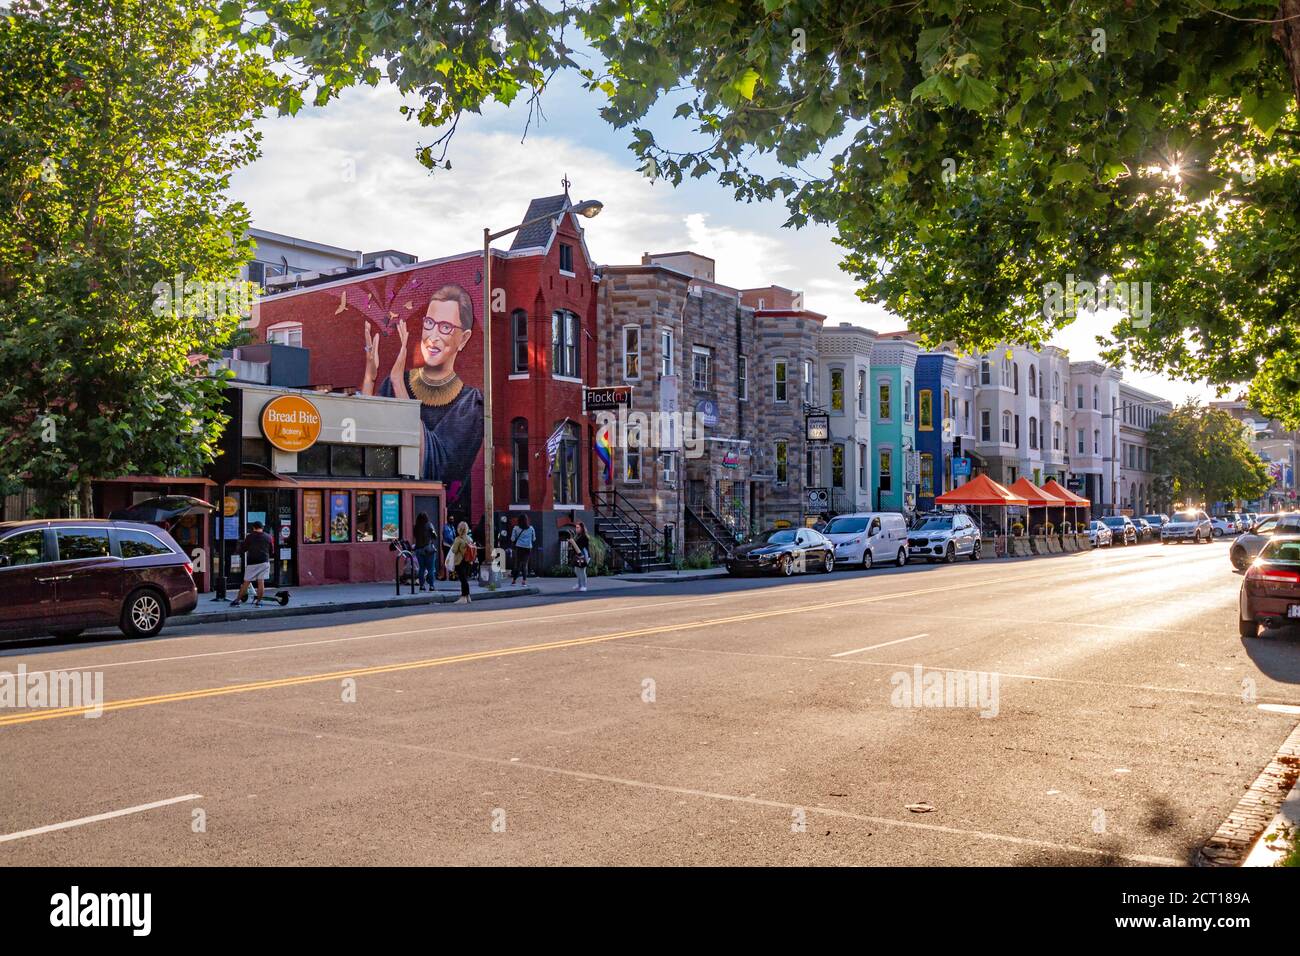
{"x":844,"y":354}
{"x":543,"y":330}
{"x":735,"y":369}
{"x":1140,"y":489}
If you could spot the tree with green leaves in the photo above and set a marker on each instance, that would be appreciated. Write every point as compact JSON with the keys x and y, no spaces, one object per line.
{"x":969,"y":153}
{"x":1207,"y":455}
{"x":120,"y":122}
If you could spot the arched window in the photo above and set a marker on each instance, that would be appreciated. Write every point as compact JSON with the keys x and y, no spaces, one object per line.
{"x":519,"y":458}
{"x":1056,"y":386}
{"x":1033,"y":381}
{"x":1015,"y":376}
{"x":862,"y":391}
{"x":1033,"y":432}
{"x":1056,"y":436}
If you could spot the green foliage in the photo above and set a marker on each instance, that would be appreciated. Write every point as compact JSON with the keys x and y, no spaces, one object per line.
{"x":967,"y":153}
{"x":120,"y":122}
{"x":1207,"y":456}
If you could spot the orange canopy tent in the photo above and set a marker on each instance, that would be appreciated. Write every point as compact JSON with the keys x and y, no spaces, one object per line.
{"x":1038,"y":498}
{"x":1052,"y":487}
{"x":982,"y":491}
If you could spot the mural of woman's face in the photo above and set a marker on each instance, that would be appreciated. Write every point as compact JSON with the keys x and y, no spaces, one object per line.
{"x":442,"y":337}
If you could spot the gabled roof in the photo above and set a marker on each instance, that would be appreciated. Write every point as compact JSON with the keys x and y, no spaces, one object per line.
{"x":539,"y":233}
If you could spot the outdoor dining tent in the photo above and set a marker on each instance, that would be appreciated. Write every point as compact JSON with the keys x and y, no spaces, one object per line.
{"x":1039,"y":498}
{"x":1052,"y":488}
{"x":983,"y":492}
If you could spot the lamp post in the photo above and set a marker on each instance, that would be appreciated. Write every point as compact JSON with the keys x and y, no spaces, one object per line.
{"x":588,"y":209}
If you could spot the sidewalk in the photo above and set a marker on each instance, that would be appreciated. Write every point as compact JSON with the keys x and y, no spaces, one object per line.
{"x":333,"y":598}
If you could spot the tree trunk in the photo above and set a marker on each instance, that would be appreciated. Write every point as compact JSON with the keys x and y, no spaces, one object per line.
{"x":85,"y":500}
{"x":1286,"y":31}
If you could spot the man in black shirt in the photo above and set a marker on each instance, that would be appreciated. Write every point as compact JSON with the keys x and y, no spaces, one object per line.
{"x":256,"y":548}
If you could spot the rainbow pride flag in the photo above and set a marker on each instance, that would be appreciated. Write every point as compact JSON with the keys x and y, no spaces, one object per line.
{"x":605,"y":452}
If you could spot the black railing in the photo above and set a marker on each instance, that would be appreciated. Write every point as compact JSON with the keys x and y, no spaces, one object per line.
{"x":646,"y":537}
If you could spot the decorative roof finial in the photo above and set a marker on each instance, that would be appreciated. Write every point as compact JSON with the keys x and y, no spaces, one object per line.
{"x":566,"y":184}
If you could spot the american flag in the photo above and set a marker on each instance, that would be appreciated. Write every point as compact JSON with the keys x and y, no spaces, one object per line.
{"x":553,"y":446}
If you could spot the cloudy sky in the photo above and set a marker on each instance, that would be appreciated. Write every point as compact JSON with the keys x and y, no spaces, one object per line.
{"x":347,"y":175}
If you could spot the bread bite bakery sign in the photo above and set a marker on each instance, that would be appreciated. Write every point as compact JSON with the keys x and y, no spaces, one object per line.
{"x":290,"y":423}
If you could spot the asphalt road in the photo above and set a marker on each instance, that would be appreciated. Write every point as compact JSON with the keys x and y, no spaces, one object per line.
{"x":720,"y":722}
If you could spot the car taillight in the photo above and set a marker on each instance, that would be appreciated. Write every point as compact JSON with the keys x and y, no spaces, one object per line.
{"x":189,"y":568}
{"x":1275,"y":575}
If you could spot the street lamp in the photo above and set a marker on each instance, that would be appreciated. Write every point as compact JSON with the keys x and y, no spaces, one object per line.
{"x":588,"y":209}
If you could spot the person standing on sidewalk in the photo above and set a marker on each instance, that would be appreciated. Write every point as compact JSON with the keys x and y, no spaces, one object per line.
{"x":522,"y":537}
{"x":580,"y":556}
{"x":448,"y":538}
{"x":256,"y":549}
{"x":463,"y":556}
{"x":426,"y":549}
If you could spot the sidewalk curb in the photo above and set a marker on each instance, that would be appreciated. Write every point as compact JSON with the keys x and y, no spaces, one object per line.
{"x":638,"y":578}
{"x":1232,"y":842}
{"x":302,"y":610}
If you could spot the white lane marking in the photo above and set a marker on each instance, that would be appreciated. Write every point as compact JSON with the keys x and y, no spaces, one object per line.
{"x":753,"y":801}
{"x":874,"y":646}
{"x":1290,"y":709}
{"x":993,"y":580}
{"x":81,"y":822}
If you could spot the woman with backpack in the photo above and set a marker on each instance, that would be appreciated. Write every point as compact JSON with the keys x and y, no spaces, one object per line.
{"x":522,"y":537}
{"x":426,"y":550}
{"x":580,"y":555}
{"x":463,"y":555}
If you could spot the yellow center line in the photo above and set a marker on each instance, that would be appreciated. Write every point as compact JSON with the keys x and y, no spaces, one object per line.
{"x":55,"y":712}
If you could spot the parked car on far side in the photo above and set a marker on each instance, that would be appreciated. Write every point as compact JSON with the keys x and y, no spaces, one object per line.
{"x":1191,"y":525}
{"x":1099,"y":535}
{"x":1248,"y":546}
{"x":869,"y":538}
{"x":1145,"y":531}
{"x":1157,"y":522}
{"x":784,"y":551}
{"x":1123,"y":531}
{"x":941,"y":537}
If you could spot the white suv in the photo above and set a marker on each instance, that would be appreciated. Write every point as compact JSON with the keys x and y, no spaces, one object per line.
{"x":941,"y":537}
{"x":1191,"y":526}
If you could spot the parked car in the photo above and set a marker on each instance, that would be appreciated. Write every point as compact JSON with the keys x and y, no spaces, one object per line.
{"x":1123,"y":531}
{"x":1254,"y":520}
{"x":944,"y":537}
{"x":1270,"y":592}
{"x":1223,"y":524}
{"x":63,"y":576}
{"x":784,"y":551}
{"x":1191,"y":526}
{"x":1157,"y":522}
{"x":1145,"y":531}
{"x":1099,"y":535}
{"x":869,"y":538}
{"x":1248,"y":546}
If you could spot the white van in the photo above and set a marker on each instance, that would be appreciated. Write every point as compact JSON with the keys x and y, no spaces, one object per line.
{"x":871,"y":537}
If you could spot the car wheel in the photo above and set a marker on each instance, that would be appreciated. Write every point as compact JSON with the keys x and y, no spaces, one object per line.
{"x":143,"y":614}
{"x":950,"y":555}
{"x":1218,"y":532}
{"x":829,"y":563}
{"x":902,"y":557}
{"x":975,"y":551}
{"x":1239,"y":559}
{"x":787,"y":565}
{"x":866,"y":559}
{"x":1248,"y":628}
{"x":67,"y":633}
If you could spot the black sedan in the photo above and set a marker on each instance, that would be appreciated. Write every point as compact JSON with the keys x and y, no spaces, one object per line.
{"x":784,"y":551}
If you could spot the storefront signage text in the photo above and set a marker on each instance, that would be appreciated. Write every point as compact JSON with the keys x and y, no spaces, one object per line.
{"x":290,"y":423}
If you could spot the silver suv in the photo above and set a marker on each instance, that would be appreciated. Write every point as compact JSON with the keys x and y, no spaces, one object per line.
{"x":942,"y":537}
{"x":1191,"y":526}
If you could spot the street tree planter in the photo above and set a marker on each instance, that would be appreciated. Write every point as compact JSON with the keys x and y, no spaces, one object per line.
{"x":1038,"y":544}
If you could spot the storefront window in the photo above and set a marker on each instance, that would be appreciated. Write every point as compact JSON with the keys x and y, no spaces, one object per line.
{"x":390,"y":515}
{"x":347,"y":461}
{"x":256,"y":451}
{"x":340,"y":517}
{"x":315,"y":460}
{"x":313,"y":529}
{"x":381,"y":462}
{"x":365,"y":516}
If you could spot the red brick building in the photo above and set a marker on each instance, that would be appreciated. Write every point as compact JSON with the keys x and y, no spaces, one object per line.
{"x":543,"y":343}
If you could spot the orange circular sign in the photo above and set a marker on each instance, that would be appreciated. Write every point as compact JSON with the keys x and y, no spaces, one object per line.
{"x":290,"y":423}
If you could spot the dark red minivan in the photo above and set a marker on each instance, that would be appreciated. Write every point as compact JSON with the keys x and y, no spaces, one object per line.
{"x":61,"y":576}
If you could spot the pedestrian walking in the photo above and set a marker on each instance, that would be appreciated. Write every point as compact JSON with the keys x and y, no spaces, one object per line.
{"x":462,"y":556}
{"x":426,"y":550}
{"x":522,"y":536}
{"x":256,"y":549}
{"x":580,"y":555}
{"x":448,"y":537}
